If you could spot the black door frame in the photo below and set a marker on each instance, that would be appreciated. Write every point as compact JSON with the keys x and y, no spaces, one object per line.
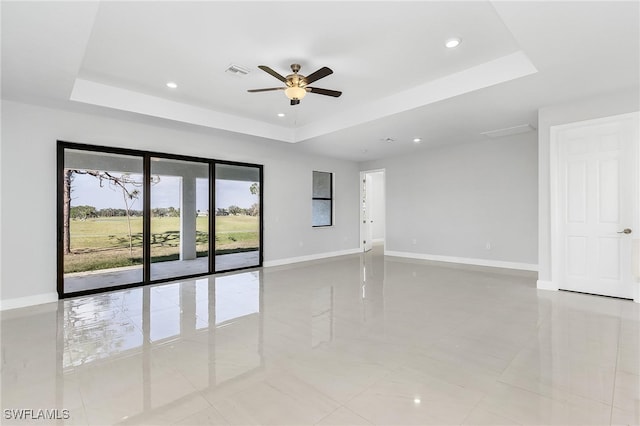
{"x":146,"y":237}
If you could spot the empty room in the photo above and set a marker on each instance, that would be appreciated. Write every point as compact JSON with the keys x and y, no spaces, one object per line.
{"x":320,"y":213}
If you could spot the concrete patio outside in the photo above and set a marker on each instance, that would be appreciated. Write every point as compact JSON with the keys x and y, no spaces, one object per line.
{"x":106,"y":278}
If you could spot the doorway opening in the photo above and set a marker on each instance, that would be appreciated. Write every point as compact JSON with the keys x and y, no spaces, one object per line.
{"x":372,"y":208}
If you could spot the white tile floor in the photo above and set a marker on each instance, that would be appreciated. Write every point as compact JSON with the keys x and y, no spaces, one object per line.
{"x":356,"y":340}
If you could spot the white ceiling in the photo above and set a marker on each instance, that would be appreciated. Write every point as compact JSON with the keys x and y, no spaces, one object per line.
{"x":389,"y":60}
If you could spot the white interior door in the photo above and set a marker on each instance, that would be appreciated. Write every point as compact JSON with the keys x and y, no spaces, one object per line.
{"x":366,"y":230}
{"x":597,"y":191}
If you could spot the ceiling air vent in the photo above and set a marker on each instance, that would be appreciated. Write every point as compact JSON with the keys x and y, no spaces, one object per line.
{"x":508,"y":131}
{"x":237,"y":70}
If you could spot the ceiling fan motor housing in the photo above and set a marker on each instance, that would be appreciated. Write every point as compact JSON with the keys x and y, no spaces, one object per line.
{"x":296,"y":80}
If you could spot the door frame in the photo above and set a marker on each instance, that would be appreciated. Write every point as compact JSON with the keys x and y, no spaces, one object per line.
{"x":555,"y":220}
{"x":145,"y":156}
{"x":363,"y":174}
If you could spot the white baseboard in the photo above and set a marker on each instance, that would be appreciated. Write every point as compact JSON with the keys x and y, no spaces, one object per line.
{"x":546,"y":285}
{"x":280,"y":262}
{"x":377,"y":240}
{"x":464,"y":260}
{"x":23,"y":302}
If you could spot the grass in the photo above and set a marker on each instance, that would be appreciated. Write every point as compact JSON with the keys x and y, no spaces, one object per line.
{"x":103,"y":243}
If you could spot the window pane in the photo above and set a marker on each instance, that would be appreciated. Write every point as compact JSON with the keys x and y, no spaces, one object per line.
{"x":321,"y":185}
{"x":179,"y":218}
{"x":321,"y":212}
{"x":237,"y":210}
{"x":102,"y":219}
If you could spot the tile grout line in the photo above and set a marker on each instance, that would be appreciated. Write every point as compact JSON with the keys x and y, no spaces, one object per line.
{"x":615,"y":371}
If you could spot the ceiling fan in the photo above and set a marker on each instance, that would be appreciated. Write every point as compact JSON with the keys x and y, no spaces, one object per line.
{"x":296,"y":85}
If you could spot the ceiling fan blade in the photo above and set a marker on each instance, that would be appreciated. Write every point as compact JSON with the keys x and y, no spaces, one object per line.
{"x":265,"y":90}
{"x":295,"y":102}
{"x":321,"y":73}
{"x":326,"y":92}
{"x":272,"y":72}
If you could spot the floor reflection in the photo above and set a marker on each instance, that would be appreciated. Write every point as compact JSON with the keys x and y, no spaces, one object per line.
{"x":359,"y":339}
{"x":138,"y":355}
{"x":160,"y":345}
{"x":116,"y":323}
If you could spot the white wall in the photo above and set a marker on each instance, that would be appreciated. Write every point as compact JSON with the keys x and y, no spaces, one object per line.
{"x":588,"y":109}
{"x":447,"y":203}
{"x":28,"y":174}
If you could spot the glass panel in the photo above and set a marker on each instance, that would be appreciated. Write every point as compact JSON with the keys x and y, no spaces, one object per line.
{"x":321,"y":212}
{"x":179,"y":218}
{"x":102,"y":216}
{"x":321,"y":185}
{"x":237,"y":242}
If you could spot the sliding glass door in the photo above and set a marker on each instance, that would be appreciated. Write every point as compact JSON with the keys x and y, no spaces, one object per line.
{"x":238,"y":223}
{"x":127,"y":218}
{"x":179,"y":218}
{"x":101,"y":233}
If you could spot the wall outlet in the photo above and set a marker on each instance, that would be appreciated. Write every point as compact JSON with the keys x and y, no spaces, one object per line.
{"x":488,"y":245}
{"x":300,"y":243}
{"x":414,"y":241}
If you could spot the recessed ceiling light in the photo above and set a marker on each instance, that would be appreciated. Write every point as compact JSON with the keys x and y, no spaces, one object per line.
{"x":452,"y":42}
{"x":280,"y":114}
{"x":417,"y":140}
{"x":172,"y":85}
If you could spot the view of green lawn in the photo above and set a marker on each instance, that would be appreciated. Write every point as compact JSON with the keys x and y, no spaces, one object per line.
{"x":101,"y":243}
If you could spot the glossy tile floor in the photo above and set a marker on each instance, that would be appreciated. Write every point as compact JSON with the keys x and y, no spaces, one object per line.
{"x":355,"y":340}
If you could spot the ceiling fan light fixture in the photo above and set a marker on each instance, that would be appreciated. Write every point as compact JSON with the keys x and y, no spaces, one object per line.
{"x":295,"y":93}
{"x":296,"y":85}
